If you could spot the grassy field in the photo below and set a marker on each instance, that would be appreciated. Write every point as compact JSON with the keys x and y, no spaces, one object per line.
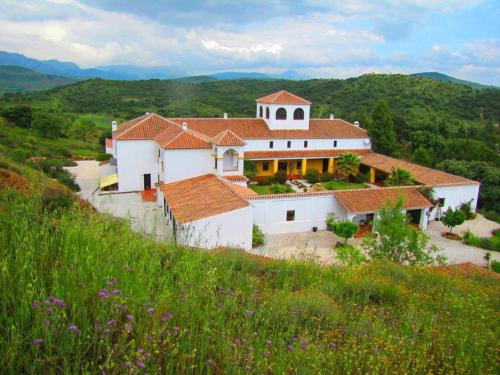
{"x":81,"y":293}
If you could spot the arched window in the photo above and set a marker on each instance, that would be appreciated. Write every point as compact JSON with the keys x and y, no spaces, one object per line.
{"x":267,"y":112}
{"x":281,"y":114}
{"x":298,"y":114}
{"x":261,"y":112}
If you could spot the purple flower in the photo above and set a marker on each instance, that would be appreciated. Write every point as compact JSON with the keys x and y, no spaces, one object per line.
{"x":237,"y":342}
{"x":290,"y":347}
{"x":111,"y":322}
{"x":107,"y":331}
{"x":112,"y":281}
{"x":116,"y":291}
{"x":104,"y":293}
{"x":295,"y":339}
{"x":176,"y":329}
{"x":35,"y":304}
{"x":74,"y":329}
{"x":127,"y":364}
{"x":211,"y":362}
{"x":377,"y":350}
{"x":49,"y":310}
{"x":140,"y":351}
{"x":141,"y":364}
{"x":46,"y":302}
{"x":128,"y":328}
{"x":129,"y":318}
{"x":303,"y":346}
{"x":38,"y":342}
{"x":167,"y":316}
{"x":58,"y":302}
{"x":150,"y":310}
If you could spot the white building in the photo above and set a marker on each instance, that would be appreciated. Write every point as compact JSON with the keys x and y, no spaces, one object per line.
{"x":196,"y":167}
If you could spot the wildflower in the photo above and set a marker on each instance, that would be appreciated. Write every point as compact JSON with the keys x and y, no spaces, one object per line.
{"x":176,"y":329}
{"x":127,"y":364}
{"x":141,"y":364}
{"x":49,"y":310}
{"x":237,"y":342}
{"x":104,"y":293}
{"x":269,"y":343}
{"x":111,"y":322}
{"x":211,"y":362}
{"x":73,"y":328}
{"x":140,"y":351}
{"x":295,"y":339}
{"x":150,"y":310}
{"x":107,"y":331}
{"x":58,"y":302}
{"x":116,"y":291}
{"x":38,"y":342}
{"x":129,"y":318}
{"x":128,"y":328}
{"x":248,"y":367}
{"x":377,"y":350}
{"x":112,"y":281}
{"x":167,"y":316}
{"x":35,"y":304}
{"x":304,"y":344}
{"x":290,"y":347}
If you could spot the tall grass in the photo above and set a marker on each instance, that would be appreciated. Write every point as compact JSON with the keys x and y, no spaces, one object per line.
{"x":81,"y":293}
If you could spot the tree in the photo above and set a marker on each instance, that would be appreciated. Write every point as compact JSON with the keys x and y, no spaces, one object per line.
{"x":49,"y":125}
{"x":345,"y":229}
{"x":424,"y":157}
{"x":398,"y":241}
{"x":382,"y":129}
{"x":399,"y":177}
{"x":20,"y":116}
{"x":452,"y":218}
{"x":257,"y":236}
{"x":348,"y":165}
{"x":249,"y":169}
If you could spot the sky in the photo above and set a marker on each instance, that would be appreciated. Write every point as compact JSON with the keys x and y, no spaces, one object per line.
{"x":318,"y":38}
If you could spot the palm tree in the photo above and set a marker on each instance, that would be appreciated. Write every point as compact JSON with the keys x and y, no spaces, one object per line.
{"x":400,"y":177}
{"x":348,"y":165}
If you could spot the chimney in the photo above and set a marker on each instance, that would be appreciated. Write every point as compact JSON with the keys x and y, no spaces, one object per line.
{"x":225,"y":115}
{"x":332,"y":116}
{"x":356,"y":123}
{"x":147,"y":113}
{"x":114,"y":126}
{"x":184,"y":126}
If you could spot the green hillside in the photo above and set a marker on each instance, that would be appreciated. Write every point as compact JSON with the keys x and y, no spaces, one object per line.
{"x":433,"y":121}
{"x":443,"y":77}
{"x":81,"y":293}
{"x":18,"y":79}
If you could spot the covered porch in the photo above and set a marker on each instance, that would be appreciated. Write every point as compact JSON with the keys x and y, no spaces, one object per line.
{"x":295,"y":168}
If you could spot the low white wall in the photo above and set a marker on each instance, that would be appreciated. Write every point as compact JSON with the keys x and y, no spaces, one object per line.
{"x":134,"y":160}
{"x":182,"y":164}
{"x":230,"y":229}
{"x":310,"y":211}
{"x":454,"y":196}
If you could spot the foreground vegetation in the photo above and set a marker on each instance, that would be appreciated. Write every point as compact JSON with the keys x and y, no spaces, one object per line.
{"x":82,"y":293}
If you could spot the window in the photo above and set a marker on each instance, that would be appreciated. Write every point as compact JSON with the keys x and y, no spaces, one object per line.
{"x":265,"y":166}
{"x":305,"y":144}
{"x":298,"y":114}
{"x":271,"y":144}
{"x":334,"y":144}
{"x":440,"y":202}
{"x":288,"y":144}
{"x":267,"y":112}
{"x":281,"y":114}
{"x":290,"y":215}
{"x":158,"y":153}
{"x":215,"y":162}
{"x":261,"y":112}
{"x":299,"y":164}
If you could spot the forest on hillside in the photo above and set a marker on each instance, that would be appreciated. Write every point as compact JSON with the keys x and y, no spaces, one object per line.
{"x":438,"y":124}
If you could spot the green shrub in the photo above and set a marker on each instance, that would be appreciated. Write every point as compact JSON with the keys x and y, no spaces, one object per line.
{"x":345,"y":229}
{"x":280,"y":177}
{"x":281,"y":189}
{"x":257,"y":236}
{"x":349,"y":255}
{"x":495,"y":266}
{"x":312,"y":176}
{"x":20,"y":155}
{"x":487,"y":243}
{"x":490,"y":215}
{"x":55,"y":198}
{"x":452,"y":218}
{"x":249,"y":169}
{"x":105,"y":157}
{"x":326,"y":177}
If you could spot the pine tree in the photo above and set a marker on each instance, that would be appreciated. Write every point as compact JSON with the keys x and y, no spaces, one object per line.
{"x":382,"y":129}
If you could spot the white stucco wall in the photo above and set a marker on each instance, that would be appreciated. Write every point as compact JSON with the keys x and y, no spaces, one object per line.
{"x":187,"y":163}
{"x":270,"y":214}
{"x":454,"y":196}
{"x":134,"y":159}
{"x":289,"y":123}
{"x":230,"y":229}
{"x":312,"y":144}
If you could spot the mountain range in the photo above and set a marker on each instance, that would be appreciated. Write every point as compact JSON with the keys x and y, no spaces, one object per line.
{"x":46,"y":74}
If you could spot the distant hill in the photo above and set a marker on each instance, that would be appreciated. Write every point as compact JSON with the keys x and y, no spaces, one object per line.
{"x":18,"y":79}
{"x":289,"y":74}
{"x":197,"y":79}
{"x":443,"y":77}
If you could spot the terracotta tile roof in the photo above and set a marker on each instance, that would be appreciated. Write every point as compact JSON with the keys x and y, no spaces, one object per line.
{"x":300,"y":153}
{"x":200,"y":197}
{"x":290,"y":195}
{"x":228,"y":138}
{"x":282,"y":97}
{"x":144,"y":127}
{"x":372,"y":200}
{"x":255,"y":128}
{"x":241,"y":190}
{"x":422,"y":175}
{"x":109,"y":142}
{"x":236,"y":178}
{"x":176,"y":138}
